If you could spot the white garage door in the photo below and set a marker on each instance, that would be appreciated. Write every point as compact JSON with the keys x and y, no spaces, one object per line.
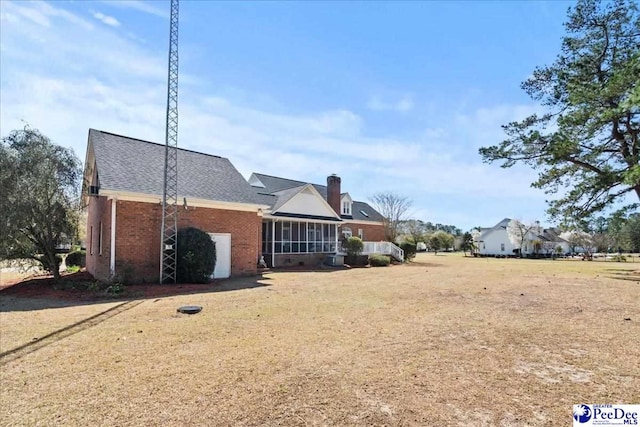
{"x":223,"y":255}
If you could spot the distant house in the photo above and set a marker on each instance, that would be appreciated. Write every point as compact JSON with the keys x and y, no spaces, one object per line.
{"x":494,"y":241}
{"x":286,"y":222}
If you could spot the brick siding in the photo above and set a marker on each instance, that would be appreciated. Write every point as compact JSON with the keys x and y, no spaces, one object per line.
{"x":371,"y":232}
{"x":98,"y":262}
{"x":138,"y":237}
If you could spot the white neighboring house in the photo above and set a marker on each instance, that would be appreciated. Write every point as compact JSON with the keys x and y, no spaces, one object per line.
{"x":494,"y":241}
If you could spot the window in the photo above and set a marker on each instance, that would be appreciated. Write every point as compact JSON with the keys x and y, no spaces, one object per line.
{"x":502,"y":247}
{"x":346,"y":208}
{"x":360,"y":233}
{"x":346,"y":232}
{"x":298,"y":237}
{"x":91,"y":240}
{"x":364,"y":213}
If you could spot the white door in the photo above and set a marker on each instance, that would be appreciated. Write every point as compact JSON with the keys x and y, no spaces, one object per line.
{"x":223,"y":255}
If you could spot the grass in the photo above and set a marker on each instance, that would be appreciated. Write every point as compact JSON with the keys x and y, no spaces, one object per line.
{"x":446,"y":340}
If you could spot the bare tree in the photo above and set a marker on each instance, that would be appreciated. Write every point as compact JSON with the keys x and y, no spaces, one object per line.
{"x":517,"y":232}
{"x":393,"y":209}
{"x":414,"y":229}
{"x":579,"y":239}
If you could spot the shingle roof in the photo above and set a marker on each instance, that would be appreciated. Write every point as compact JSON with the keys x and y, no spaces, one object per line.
{"x":284,"y":196}
{"x":372,"y":214}
{"x":274,"y":184}
{"x":133,"y":165}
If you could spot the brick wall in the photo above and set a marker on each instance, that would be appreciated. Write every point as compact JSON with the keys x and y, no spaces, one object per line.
{"x":371,"y":232}
{"x":138,"y":237}
{"x":99,"y":216}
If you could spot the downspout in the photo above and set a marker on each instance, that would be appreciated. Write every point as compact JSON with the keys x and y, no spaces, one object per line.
{"x":112,"y":260}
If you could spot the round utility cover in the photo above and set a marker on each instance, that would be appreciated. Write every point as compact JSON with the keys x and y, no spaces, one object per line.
{"x":190,"y":309}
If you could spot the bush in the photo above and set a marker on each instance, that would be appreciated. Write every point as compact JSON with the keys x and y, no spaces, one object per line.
{"x":410,"y":250}
{"x":115,"y":290}
{"x":196,"y":256}
{"x":72,"y":269}
{"x":619,"y":258}
{"x":379,"y":260}
{"x":353,"y":246}
{"x":124,"y":274}
{"x":76,"y":259}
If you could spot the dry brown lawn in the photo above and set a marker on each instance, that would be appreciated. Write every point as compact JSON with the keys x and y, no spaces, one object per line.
{"x":447,"y":341}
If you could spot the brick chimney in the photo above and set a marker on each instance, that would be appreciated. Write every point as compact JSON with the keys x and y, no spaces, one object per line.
{"x":333,"y":192}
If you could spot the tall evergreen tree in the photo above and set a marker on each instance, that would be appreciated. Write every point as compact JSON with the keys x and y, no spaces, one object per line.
{"x":587,"y":143}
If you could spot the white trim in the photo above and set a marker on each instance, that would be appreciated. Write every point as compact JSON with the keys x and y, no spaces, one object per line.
{"x":192,"y":202}
{"x":273,"y":244}
{"x":352,"y":221}
{"x":112,"y":259}
{"x":347,"y":201}
{"x":87,"y":174}
{"x":296,"y":219}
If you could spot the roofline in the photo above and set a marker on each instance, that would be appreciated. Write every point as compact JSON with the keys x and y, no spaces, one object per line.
{"x":191,"y":201}
{"x":302,"y":183}
{"x":157,"y":143}
{"x":279,"y":177}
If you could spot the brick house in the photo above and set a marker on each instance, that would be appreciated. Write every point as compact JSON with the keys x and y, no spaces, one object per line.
{"x":306,"y":222}
{"x":287,"y":222}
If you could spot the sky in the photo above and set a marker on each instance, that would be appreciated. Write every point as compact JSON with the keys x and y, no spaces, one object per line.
{"x":390,"y":96}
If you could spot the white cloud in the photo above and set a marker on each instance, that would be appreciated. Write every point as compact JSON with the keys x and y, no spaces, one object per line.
{"x":404,"y":104}
{"x":141,"y":6}
{"x":65,"y":99}
{"x":106,"y":19}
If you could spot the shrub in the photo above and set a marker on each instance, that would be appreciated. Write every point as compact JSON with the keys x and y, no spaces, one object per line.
{"x":73,"y":269}
{"x":379,"y":260}
{"x":353,"y":246}
{"x":76,"y":259}
{"x":619,"y":258}
{"x":124,"y":274}
{"x":410,"y":250}
{"x":196,"y":257}
{"x":115,"y":290}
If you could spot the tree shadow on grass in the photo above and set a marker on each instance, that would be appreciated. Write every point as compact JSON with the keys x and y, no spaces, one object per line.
{"x":38,"y":343}
{"x":16,"y":302}
{"x":623,"y":274}
{"x":42,"y":293}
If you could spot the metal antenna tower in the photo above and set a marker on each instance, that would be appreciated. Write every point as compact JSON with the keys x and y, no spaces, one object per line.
{"x":168,"y":242}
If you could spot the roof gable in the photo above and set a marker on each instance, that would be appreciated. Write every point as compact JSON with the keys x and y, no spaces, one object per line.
{"x":303,"y":200}
{"x":361,"y":211}
{"x":136,"y":166}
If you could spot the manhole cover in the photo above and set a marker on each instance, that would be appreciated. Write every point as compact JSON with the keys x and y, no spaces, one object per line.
{"x":190,"y":309}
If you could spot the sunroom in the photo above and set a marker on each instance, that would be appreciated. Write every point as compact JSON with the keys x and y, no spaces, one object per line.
{"x":297,"y":241}
{"x":300,"y":229}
